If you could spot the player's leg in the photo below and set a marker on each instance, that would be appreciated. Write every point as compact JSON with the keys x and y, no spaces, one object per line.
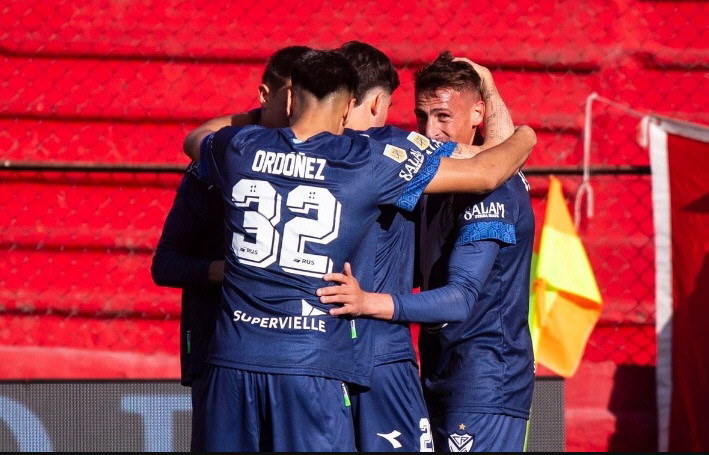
{"x":391,"y":416}
{"x":307,"y":414}
{"x":478,"y":432}
{"x":225,"y":411}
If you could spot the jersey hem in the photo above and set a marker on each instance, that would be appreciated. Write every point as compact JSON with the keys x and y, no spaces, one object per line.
{"x":295,"y":371}
{"x":393,"y":358}
{"x":481,"y":410}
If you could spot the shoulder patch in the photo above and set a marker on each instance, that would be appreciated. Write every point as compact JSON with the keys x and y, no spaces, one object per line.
{"x":419,"y":140}
{"x":395,"y":153}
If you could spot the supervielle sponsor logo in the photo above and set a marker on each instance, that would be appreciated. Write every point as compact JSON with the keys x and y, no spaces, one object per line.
{"x":309,"y":320}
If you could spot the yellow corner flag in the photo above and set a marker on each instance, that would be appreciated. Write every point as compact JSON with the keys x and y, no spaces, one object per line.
{"x":564,"y":300}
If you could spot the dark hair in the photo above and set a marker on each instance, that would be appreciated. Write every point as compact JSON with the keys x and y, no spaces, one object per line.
{"x":374,"y":68}
{"x":445,"y":73}
{"x":280,"y":65}
{"x":323,"y":73}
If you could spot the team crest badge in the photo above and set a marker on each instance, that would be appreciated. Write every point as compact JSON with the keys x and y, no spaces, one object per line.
{"x":395,"y":153}
{"x":420,"y":141}
{"x":460,"y":442}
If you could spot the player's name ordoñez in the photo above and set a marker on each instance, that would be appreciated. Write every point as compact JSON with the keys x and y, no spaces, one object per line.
{"x":283,"y":322}
{"x":293,"y":164}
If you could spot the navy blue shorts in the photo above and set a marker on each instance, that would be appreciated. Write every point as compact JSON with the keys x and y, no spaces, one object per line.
{"x":243,"y":411}
{"x":391,"y":416}
{"x":478,"y":432}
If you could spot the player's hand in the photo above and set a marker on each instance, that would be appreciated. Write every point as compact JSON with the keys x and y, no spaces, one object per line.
{"x":215,"y":272}
{"x":348,"y":293}
{"x":482,"y":71}
{"x":247,"y":118}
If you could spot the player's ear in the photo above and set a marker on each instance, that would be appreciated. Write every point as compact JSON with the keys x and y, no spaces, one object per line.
{"x":263,"y":92}
{"x":376,"y":104}
{"x":477,"y":113}
{"x":289,"y":102}
{"x":380,"y":108}
{"x":348,"y":111}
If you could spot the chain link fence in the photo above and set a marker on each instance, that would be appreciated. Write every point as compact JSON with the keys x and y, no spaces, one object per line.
{"x":96,"y":97}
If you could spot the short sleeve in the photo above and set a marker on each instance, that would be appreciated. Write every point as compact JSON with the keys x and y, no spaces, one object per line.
{"x":487,"y":217}
{"x":430,"y":146}
{"x":401,"y":174}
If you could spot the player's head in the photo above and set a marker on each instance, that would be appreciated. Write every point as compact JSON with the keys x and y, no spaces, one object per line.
{"x":273,"y":91}
{"x":377,"y":81}
{"x":448,"y":100}
{"x":322,"y":90}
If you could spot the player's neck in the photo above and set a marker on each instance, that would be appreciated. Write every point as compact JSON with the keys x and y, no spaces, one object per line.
{"x":312,"y":122}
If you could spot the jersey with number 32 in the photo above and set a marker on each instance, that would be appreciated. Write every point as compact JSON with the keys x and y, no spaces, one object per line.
{"x":294,"y":211}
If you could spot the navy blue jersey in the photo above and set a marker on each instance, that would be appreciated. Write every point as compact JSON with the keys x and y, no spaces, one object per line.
{"x":484,"y":364}
{"x":192,"y":237}
{"x":394,"y":262}
{"x":295,"y":210}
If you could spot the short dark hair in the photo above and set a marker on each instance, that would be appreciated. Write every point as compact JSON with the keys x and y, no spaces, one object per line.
{"x":373,"y":67}
{"x":323,"y":73}
{"x":445,"y":73}
{"x":280,"y":65}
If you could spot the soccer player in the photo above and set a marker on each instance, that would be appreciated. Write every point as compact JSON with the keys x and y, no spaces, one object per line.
{"x":190,"y":251}
{"x":190,"y":255}
{"x":477,"y":371}
{"x":391,"y":414}
{"x":274,"y":342}
{"x":478,"y":375}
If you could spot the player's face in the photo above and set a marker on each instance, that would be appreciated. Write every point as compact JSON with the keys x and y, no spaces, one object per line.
{"x":448,"y":114}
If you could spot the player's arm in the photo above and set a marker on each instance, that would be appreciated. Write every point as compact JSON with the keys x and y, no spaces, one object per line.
{"x":172,"y":264}
{"x":191,"y":144}
{"x":488,"y":169}
{"x":497,"y":121}
{"x":468,"y":269}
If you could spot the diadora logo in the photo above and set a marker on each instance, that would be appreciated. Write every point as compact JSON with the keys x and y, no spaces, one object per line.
{"x":309,"y":310}
{"x":391,"y":437}
{"x":483,"y":210}
{"x":460,"y":442}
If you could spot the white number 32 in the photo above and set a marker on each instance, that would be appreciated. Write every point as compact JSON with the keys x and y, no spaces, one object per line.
{"x":262,"y":223}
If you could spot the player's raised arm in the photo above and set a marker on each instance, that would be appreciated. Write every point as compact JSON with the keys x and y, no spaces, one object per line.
{"x":488,"y":169}
{"x":191,"y":144}
{"x":497,"y":123}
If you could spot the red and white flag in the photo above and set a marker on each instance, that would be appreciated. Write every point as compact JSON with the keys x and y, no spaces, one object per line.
{"x":679,"y":156}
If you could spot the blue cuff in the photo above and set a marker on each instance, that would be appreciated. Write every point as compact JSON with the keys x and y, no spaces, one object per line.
{"x":487,"y":230}
{"x":446,"y":150}
{"x":408,"y":200}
